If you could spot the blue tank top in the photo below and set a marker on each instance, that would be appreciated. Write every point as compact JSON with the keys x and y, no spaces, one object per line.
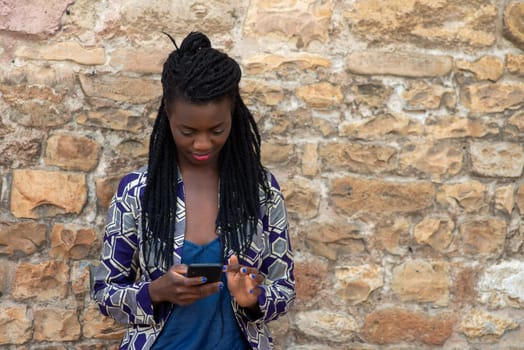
{"x":207,"y":324}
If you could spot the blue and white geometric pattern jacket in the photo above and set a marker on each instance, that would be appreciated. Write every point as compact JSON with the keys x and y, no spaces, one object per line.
{"x":122,"y":278}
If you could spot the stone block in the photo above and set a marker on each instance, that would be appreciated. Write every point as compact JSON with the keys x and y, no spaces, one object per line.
{"x":502,"y":285}
{"x":326,"y":325}
{"x":513,"y":26}
{"x":452,"y":126}
{"x":21,"y":238}
{"x":497,"y":159}
{"x":483,"y":237}
{"x":354,"y":284}
{"x":484,"y":327}
{"x":515,"y":64}
{"x":435,"y":232}
{"x":321,"y":96}
{"x":485,"y":68}
{"x":121,"y":88}
{"x":46,"y":281}
{"x":381,"y":126}
{"x":96,"y":326}
{"x":114,"y":120}
{"x":54,"y":324}
{"x":69,"y":241}
{"x":148,"y":60}
{"x":333,"y":239}
{"x":468,"y":196}
{"x":493,"y":97}
{"x":356,"y":157}
{"x":15,"y":325}
{"x":72,"y":152}
{"x":311,"y":273}
{"x":283,"y":65}
{"x":302,"y":198}
{"x":63,"y":51}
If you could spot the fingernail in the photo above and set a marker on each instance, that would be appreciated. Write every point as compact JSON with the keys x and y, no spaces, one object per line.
{"x":221,"y":286}
{"x":224,"y":268}
{"x":204,"y":279}
{"x":244,"y":270}
{"x":251,"y":291}
{"x":253,"y":276}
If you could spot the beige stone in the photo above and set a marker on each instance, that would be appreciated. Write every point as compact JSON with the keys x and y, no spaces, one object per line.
{"x":485,"y":68}
{"x":305,"y":20}
{"x":15,"y":325}
{"x":357,"y":157}
{"x":422,"y":96}
{"x":445,"y":127}
{"x":71,"y":241}
{"x":395,"y":325}
{"x":422,"y":281}
{"x":486,"y":236}
{"x":120,"y":88}
{"x":487,"y":326}
{"x":321,"y":95}
{"x":406,"y":64}
{"x":302,"y":197}
{"x":134,"y":148}
{"x":275,"y":153}
{"x":21,"y":152}
{"x":429,"y":23}
{"x":30,"y":18}
{"x":311,"y":273}
{"x":254,"y":92}
{"x":25,"y":238}
{"x":310,"y":159}
{"x":332,"y":239}
{"x":61,"y":77}
{"x":438,"y":160}
{"x":393,"y":235}
{"x":114,"y":120}
{"x":46,"y":281}
{"x":468,"y":196}
{"x":53,"y":324}
{"x":515,"y":64}
{"x":39,"y":193}
{"x":141,"y":60}
{"x":96,"y":326}
{"x":354,"y":284}
{"x":326,"y":324}
{"x":80,"y":278}
{"x":520,"y":198}
{"x":72,"y":152}
{"x":435,"y":232}
{"x":517,"y":121}
{"x":372,"y":94}
{"x":383,"y":125}
{"x":351,"y":195}
{"x":106,"y":188}
{"x":493,"y":97}
{"x":505,"y":198}
{"x":293,"y":62}
{"x":62,"y":51}
{"x":513,"y":24}
{"x":497,"y":158}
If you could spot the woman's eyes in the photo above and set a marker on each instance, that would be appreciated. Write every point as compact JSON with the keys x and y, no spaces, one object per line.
{"x":190,"y":132}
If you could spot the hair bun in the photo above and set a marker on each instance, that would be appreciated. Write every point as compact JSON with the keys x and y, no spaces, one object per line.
{"x":194,"y":42}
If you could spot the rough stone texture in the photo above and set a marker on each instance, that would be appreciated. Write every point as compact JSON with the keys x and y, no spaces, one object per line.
{"x":20,"y":153}
{"x":438,"y":160}
{"x":27,"y":17}
{"x":302,"y":197}
{"x":321,"y":95}
{"x":435,"y":232}
{"x":505,"y":199}
{"x":38,"y":193}
{"x":310,"y":272}
{"x":354,"y":284}
{"x":24,"y":238}
{"x":142,"y":60}
{"x":484,"y":325}
{"x":421,"y":96}
{"x":15,"y":325}
{"x":399,"y":64}
{"x":357,"y":157}
{"x":390,"y":326}
{"x":447,"y":127}
{"x":326,"y":324}
{"x":425,"y":22}
{"x":270,"y":63}
{"x":99,"y":327}
{"x":392,"y":235}
{"x":302,"y":20}
{"x":493,"y":97}
{"x":502,"y":285}
{"x":513,"y":25}
{"x":351,"y":194}
{"x":422,"y":281}
{"x":52,"y":324}
{"x":72,"y":152}
{"x":120,"y":88}
{"x":105,"y":189}
{"x":331,"y":240}
{"x":62,"y":51}
{"x":255,"y":91}
{"x":381,"y":126}
{"x":43,"y":282}
{"x":515,"y":64}
{"x":497,"y":158}
{"x":73,"y":242}
{"x":114,"y":120}
{"x":485,"y":68}
{"x":310,"y":160}
{"x":483,"y":236}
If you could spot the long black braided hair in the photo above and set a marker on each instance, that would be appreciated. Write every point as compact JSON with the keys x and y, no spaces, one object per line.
{"x":200,"y":74}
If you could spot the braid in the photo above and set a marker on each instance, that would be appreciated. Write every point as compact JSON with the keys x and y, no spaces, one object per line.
{"x":200,"y":74}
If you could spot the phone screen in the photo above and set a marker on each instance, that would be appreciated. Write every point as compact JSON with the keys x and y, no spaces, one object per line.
{"x":212,"y":272}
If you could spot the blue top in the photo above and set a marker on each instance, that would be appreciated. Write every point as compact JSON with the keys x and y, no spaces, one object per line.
{"x":208,"y":323}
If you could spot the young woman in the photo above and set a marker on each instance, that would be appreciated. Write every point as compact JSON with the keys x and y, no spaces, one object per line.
{"x":204,"y":197}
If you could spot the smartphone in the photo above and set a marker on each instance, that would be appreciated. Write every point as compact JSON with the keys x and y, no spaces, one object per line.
{"x":212,"y":272}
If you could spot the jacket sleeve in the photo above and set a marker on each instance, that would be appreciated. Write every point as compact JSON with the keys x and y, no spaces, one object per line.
{"x":278,"y":289}
{"x":116,"y":289}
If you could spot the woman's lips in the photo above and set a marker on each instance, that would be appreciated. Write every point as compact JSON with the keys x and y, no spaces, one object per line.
{"x":201,"y":157}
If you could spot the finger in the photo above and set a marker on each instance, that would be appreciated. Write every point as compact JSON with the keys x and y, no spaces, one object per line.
{"x":179,"y":268}
{"x":256,"y":291}
{"x":233,"y":265}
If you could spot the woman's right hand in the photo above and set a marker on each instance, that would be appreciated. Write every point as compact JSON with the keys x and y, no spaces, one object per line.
{"x":176,"y":288}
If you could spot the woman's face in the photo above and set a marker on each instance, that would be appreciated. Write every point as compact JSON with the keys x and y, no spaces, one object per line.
{"x":200,"y":130}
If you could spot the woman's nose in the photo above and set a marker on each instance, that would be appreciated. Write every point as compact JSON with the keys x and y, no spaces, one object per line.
{"x":202,"y":142}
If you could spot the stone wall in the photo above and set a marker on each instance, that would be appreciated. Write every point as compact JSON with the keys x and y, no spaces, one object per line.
{"x":395,"y":128}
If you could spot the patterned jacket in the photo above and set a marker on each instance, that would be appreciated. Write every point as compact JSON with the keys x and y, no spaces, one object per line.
{"x":122,"y":278}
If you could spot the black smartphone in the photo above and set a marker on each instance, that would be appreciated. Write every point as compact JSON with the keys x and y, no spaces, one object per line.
{"x":212,"y":272}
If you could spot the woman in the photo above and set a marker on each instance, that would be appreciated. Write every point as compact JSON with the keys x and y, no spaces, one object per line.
{"x":203,"y":198}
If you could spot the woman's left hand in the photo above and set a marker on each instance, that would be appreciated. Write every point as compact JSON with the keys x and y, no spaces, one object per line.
{"x":242,"y":282}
